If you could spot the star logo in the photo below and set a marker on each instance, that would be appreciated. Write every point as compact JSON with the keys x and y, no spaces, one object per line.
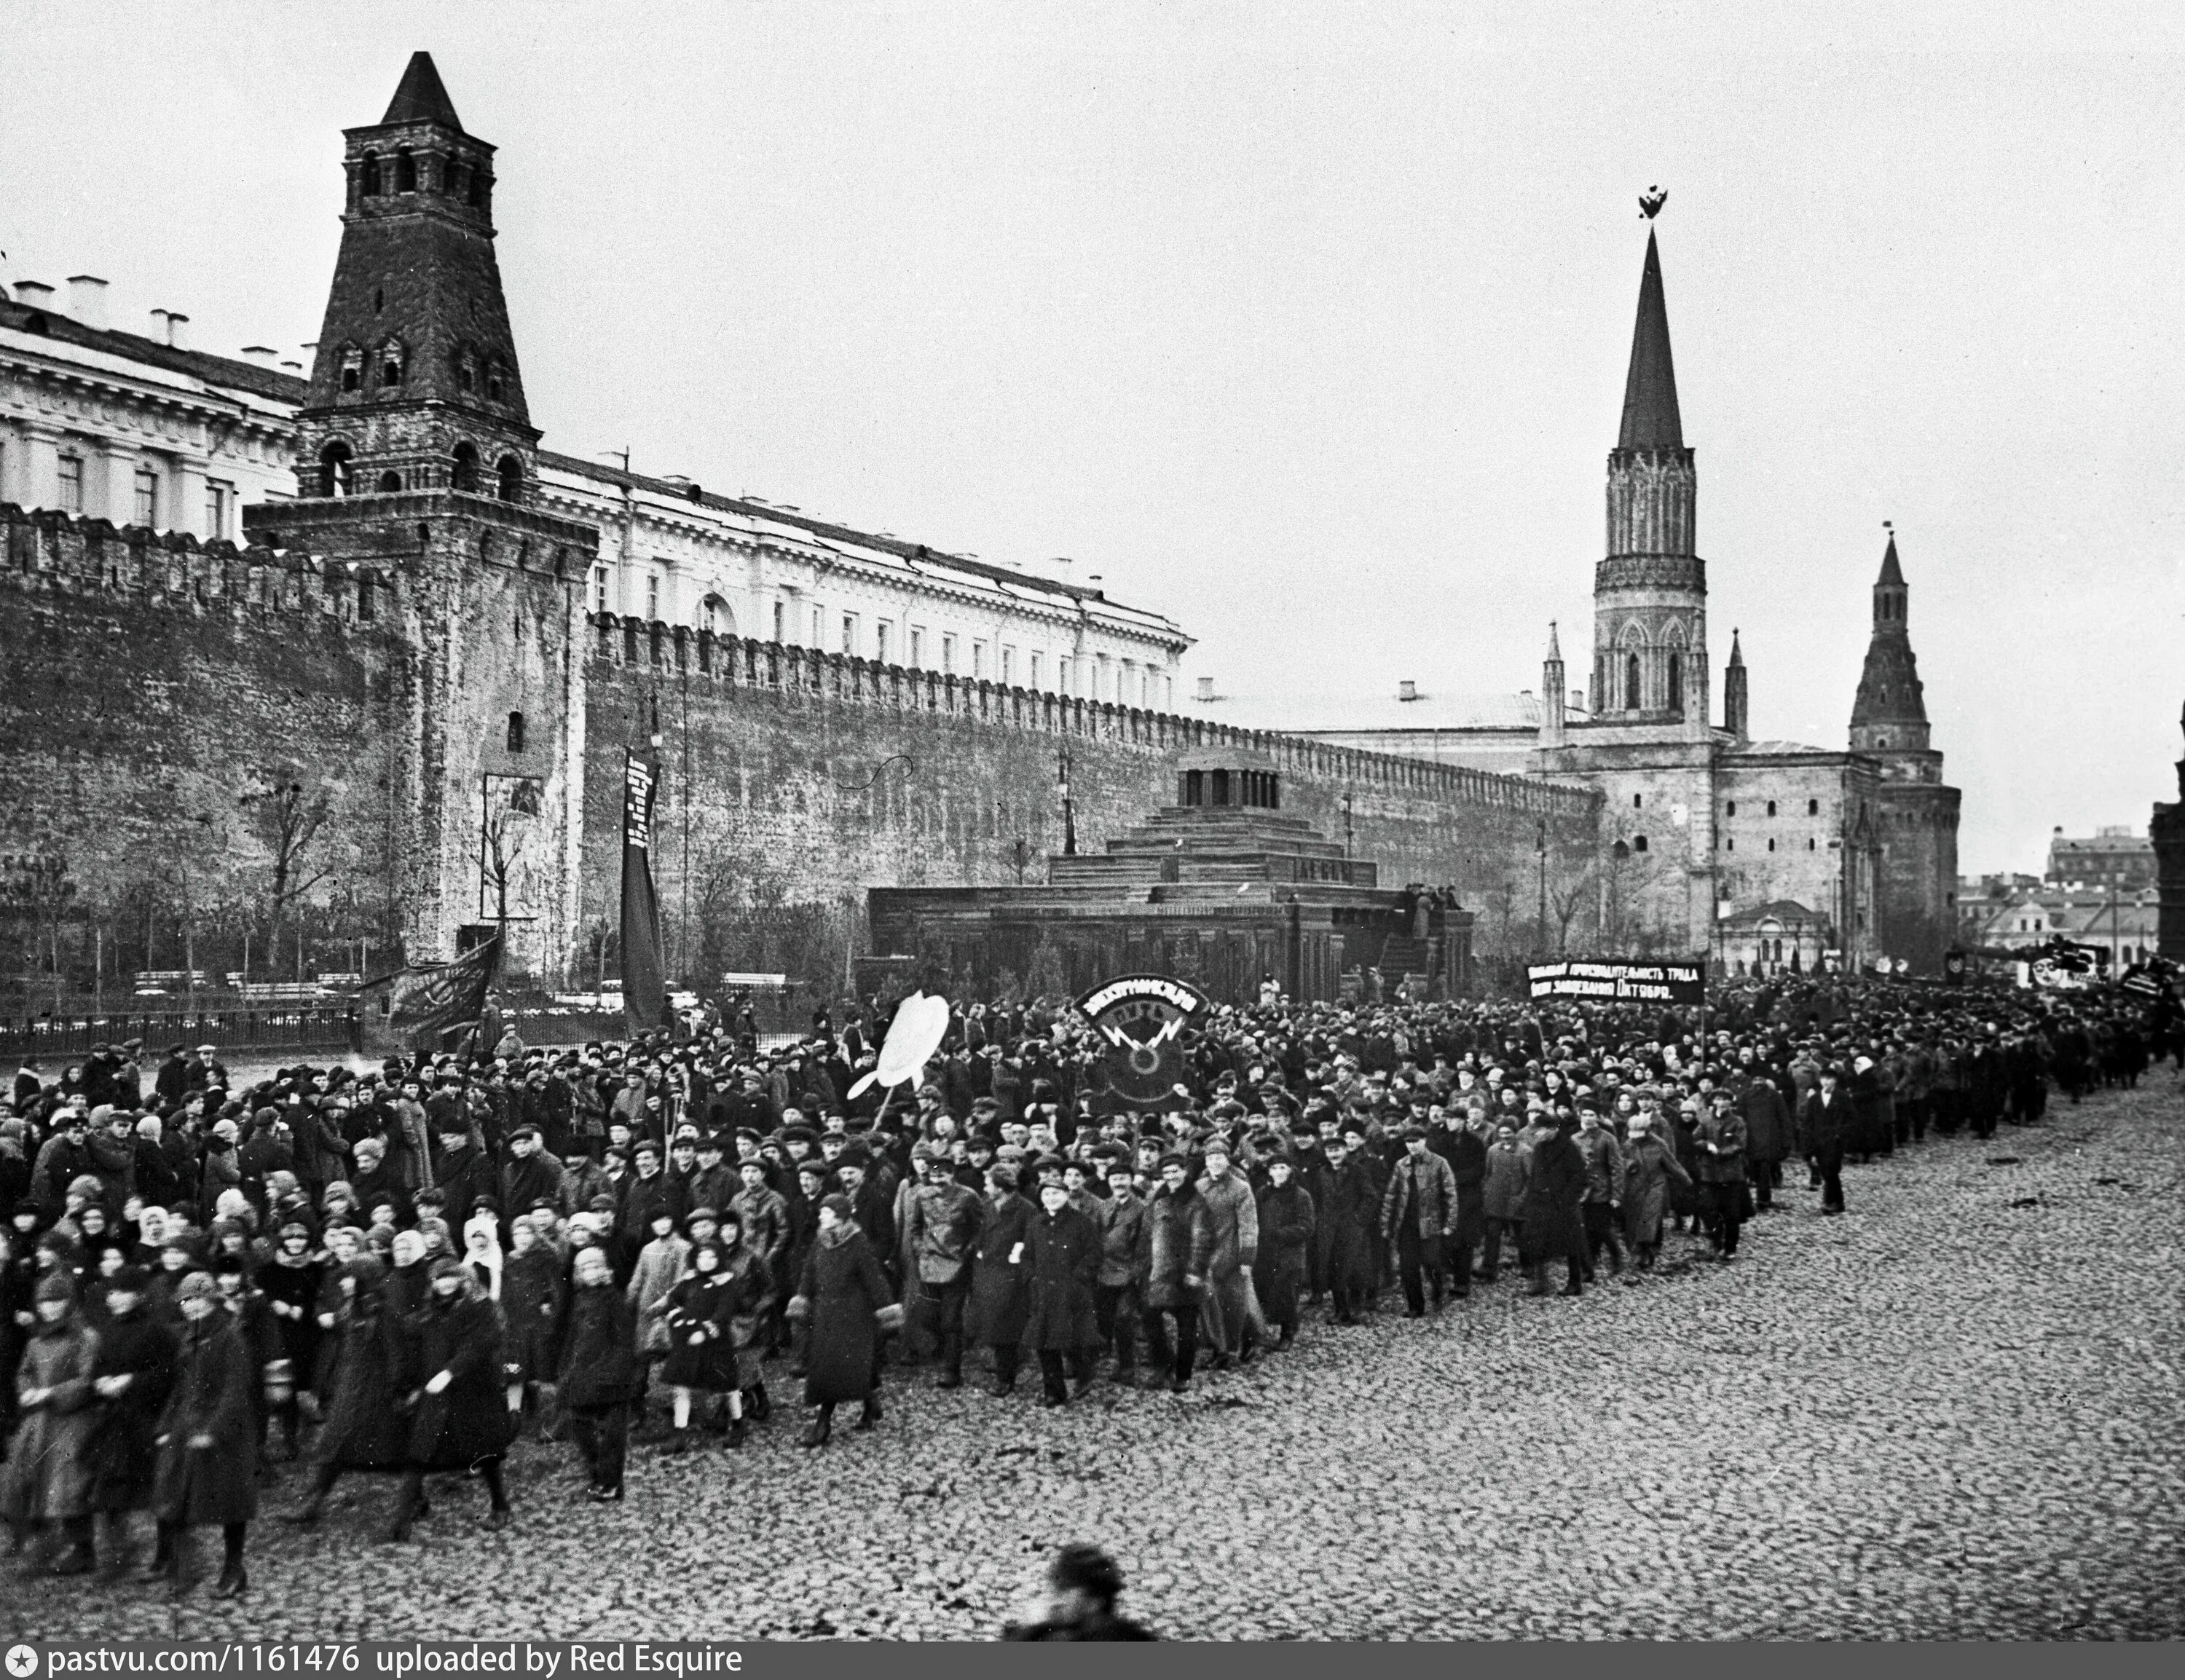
{"x":22,"y":1661}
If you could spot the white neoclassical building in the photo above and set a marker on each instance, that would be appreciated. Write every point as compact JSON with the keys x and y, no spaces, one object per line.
{"x":137,"y":427}
{"x":140,"y":429}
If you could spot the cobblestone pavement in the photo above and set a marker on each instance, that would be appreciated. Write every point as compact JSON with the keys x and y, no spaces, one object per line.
{"x":1955,"y":1412}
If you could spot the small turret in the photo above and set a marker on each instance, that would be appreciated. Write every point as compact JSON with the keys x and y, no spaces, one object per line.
{"x":1736,"y":717}
{"x":1554,"y":730}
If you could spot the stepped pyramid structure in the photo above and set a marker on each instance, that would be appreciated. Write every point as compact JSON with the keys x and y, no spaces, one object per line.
{"x":1223,"y":889}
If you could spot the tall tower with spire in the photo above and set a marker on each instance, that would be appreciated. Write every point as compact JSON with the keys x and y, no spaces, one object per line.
{"x":416,"y":466}
{"x":415,"y":383}
{"x":1889,"y":717}
{"x":1915,"y":816}
{"x":1650,"y":663}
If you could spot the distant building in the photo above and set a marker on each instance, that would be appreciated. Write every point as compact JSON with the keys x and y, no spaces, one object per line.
{"x":1706,"y":833}
{"x":2109,"y":857}
{"x":2166,"y":833}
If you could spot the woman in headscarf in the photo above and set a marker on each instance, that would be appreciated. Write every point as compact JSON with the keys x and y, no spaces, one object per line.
{"x":47,"y":1483}
{"x":207,"y":1439}
{"x":461,"y":1419}
{"x":846,"y":1298}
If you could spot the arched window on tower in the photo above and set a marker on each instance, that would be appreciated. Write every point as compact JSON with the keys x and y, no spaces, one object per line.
{"x":1631,"y":690}
{"x":334,"y":469}
{"x":390,"y":363}
{"x":390,"y":483}
{"x":466,"y":371}
{"x":405,"y":171}
{"x":1677,"y":683}
{"x":368,"y":175}
{"x":352,"y":368}
{"x":465,"y":467}
{"x":492,"y":381}
{"x":481,"y":186}
{"x":511,"y":471}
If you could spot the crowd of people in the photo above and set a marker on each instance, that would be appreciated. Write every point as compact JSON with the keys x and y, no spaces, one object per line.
{"x":402,"y":1270}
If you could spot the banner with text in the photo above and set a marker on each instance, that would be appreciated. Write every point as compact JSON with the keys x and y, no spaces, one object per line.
{"x":1619,"y":982}
{"x":644,"y":973}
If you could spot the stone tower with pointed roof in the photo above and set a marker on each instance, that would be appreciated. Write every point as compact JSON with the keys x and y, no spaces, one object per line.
{"x":1889,"y":715}
{"x":1650,"y":662}
{"x":1915,"y":817}
{"x":417,"y":459}
{"x":416,"y":383}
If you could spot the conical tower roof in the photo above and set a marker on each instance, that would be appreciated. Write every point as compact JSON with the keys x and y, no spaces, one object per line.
{"x":421,"y":97}
{"x":1650,"y":419}
{"x":1889,"y":691}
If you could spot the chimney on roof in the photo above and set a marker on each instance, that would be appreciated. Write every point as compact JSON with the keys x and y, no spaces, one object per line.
{"x":264,"y":354}
{"x":1206,"y":688}
{"x":34,"y":294}
{"x":1407,"y":689}
{"x":1577,"y":700}
{"x":88,"y":299}
{"x":167,"y":328}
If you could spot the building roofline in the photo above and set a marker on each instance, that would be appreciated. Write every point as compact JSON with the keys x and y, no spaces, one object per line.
{"x":672,"y":490}
{"x":213,"y":370}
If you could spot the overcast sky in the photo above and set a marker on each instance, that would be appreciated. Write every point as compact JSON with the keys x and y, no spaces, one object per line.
{"x":1306,"y":325}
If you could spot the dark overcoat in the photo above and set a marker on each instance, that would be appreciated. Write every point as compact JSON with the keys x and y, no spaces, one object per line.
{"x":1063,"y":1256}
{"x":599,"y":1348}
{"x":1288,"y":1220}
{"x":531,"y":1306}
{"x":1350,"y":1220}
{"x":364,"y":1429}
{"x":123,"y":1456}
{"x":469,"y":1420}
{"x":1000,"y":1290}
{"x":1553,"y":1225}
{"x":844,"y":1289}
{"x":215,"y":1385}
{"x":702,"y":1338}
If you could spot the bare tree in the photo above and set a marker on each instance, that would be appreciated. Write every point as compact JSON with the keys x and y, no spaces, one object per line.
{"x":286,"y":819}
{"x":1569,"y":896}
{"x":498,"y":851}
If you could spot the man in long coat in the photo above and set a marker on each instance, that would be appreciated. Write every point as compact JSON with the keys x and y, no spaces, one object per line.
{"x":1554,"y":1228}
{"x":1063,"y":1259}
